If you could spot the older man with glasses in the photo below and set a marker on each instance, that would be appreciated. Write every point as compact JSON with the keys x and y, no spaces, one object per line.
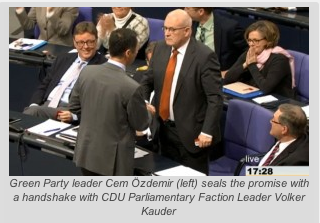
{"x":288,"y":126}
{"x":185,"y":76}
{"x":52,"y":96}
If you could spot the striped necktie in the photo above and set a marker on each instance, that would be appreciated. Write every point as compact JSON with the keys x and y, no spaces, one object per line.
{"x":73,"y":73}
{"x":202,"y":34}
{"x":271,"y":156}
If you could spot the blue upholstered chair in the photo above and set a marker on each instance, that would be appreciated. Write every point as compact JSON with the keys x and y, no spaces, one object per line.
{"x":85,"y":14}
{"x":246,"y":133}
{"x":155,"y":26}
{"x":301,"y":64}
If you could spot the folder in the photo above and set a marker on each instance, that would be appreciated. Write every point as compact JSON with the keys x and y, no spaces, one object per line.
{"x":241,"y":90}
{"x":27,"y":44}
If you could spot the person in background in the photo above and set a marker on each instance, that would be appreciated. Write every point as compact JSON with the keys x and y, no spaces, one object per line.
{"x":110,"y":107}
{"x":189,"y":103}
{"x":55,"y":23}
{"x":85,"y":40}
{"x":288,"y":126}
{"x":140,"y":71}
{"x":122,"y":17}
{"x":264,"y":65}
{"x":220,"y":33}
{"x":147,"y":139}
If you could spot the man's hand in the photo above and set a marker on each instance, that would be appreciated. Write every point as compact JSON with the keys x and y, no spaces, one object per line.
{"x":151,"y":109}
{"x":204,"y":141}
{"x":65,"y":116}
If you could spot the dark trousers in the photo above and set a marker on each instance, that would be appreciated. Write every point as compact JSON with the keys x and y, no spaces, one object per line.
{"x":172,"y":147}
{"x":86,"y":172}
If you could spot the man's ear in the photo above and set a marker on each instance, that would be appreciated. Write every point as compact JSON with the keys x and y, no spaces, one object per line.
{"x":285,"y":130}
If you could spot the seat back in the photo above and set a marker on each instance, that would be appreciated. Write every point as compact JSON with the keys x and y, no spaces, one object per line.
{"x":301,"y":67}
{"x":155,"y":26}
{"x":85,"y":14}
{"x":247,"y":132}
{"x":247,"y":129}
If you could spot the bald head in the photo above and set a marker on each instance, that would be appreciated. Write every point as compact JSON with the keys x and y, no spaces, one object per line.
{"x":180,"y":16}
{"x":177,"y":28}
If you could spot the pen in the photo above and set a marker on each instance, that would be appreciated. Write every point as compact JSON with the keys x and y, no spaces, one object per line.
{"x":51,"y":130}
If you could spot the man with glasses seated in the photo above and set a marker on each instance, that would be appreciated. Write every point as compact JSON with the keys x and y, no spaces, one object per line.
{"x":264,"y":65}
{"x":52,"y":96}
{"x":288,"y":126}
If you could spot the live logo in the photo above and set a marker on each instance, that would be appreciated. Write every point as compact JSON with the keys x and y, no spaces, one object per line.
{"x":251,"y":159}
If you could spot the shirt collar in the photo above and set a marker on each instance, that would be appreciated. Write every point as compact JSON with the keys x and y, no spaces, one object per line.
{"x":118,"y":64}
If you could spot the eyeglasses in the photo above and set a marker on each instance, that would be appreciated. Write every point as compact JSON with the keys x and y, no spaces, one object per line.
{"x":254,"y":41}
{"x":171,"y":29}
{"x":275,"y":122}
{"x":90,"y":43}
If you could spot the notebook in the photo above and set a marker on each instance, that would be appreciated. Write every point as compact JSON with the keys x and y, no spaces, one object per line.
{"x":26,"y":44}
{"x":242,"y":90}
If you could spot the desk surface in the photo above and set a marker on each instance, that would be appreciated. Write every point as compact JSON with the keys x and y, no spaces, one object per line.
{"x":53,"y":49}
{"x":150,"y":163}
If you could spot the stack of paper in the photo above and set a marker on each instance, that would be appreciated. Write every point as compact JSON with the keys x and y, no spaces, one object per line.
{"x":179,"y":171}
{"x":48,"y":127}
{"x":69,"y":135}
{"x":26,"y":44}
{"x":265,"y":99}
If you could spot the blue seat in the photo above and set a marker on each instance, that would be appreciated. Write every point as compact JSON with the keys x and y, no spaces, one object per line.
{"x":246,"y":133}
{"x":155,"y":26}
{"x":85,"y":14}
{"x":301,"y":66}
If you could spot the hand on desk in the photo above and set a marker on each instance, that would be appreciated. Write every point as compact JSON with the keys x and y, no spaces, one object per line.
{"x":65,"y":116}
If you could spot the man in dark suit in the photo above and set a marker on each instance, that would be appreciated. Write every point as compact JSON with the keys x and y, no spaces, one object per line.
{"x":84,"y":38}
{"x":111,"y":107}
{"x":220,"y":33}
{"x":191,"y":126}
{"x":288,"y":126}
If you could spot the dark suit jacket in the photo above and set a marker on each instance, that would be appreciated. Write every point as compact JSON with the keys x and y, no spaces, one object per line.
{"x":58,"y":69}
{"x":229,"y":42}
{"x":197,"y":104}
{"x":296,"y":154}
{"x":111,"y":107}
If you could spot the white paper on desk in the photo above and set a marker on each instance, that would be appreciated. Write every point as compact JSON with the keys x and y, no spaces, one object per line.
{"x":138,"y":153}
{"x":48,"y":125}
{"x":179,"y":171}
{"x":306,"y":110}
{"x":265,"y":99}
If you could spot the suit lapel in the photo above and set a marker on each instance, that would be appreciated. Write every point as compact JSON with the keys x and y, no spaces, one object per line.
{"x":165,"y":54}
{"x":185,"y":67}
{"x":217,"y":34}
{"x":285,"y":153}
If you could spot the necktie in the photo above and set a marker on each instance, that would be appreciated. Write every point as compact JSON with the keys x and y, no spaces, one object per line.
{"x":73,"y":73}
{"x":166,"y":88}
{"x":202,"y":34}
{"x":271,"y":156}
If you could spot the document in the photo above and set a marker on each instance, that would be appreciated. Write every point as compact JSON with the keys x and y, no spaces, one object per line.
{"x":179,"y":171}
{"x":48,"y":127}
{"x":265,"y":99}
{"x":138,"y":153}
{"x":26,"y":44}
{"x":69,"y":135}
{"x":242,"y":90}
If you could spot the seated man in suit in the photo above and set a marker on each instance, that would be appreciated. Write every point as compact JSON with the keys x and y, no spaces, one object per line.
{"x":223,"y":35}
{"x":288,"y":126}
{"x":52,"y":95}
